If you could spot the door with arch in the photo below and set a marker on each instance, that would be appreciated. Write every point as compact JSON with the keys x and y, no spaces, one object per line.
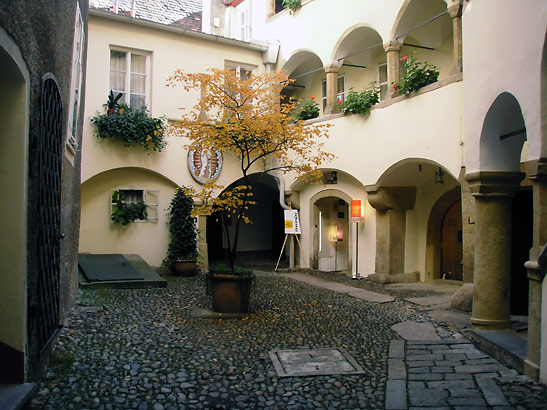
{"x":451,"y":243}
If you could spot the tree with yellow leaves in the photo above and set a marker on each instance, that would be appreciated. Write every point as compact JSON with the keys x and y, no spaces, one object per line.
{"x":246,"y":120}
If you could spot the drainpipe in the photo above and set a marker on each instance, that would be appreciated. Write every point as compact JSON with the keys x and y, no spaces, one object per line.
{"x":133,"y":8}
{"x":115,"y":7}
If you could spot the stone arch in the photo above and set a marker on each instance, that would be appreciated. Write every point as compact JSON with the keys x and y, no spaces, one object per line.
{"x":260,"y":240}
{"x":502,"y":136}
{"x":410,"y":12}
{"x":14,"y":117}
{"x":315,"y":229}
{"x":354,"y":39}
{"x":306,"y":69}
{"x":434,"y":227}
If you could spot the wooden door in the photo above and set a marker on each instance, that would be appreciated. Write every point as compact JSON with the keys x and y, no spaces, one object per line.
{"x":451,"y":243}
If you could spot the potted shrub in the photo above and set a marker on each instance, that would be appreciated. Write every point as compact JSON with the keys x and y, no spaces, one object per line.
{"x":417,"y":75}
{"x":230,"y":291}
{"x":308,"y":110}
{"x":257,"y":128}
{"x":182,"y":253}
{"x":360,"y":102}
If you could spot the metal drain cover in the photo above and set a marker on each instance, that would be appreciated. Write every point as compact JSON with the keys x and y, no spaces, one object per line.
{"x":314,"y":362}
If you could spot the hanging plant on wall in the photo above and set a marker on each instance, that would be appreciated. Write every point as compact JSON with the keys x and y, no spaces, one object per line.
{"x":292,"y":5}
{"x":125,"y":214}
{"x":133,"y":128}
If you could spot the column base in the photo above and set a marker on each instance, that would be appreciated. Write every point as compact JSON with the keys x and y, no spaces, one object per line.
{"x":490,"y":324}
{"x":386,"y":278}
{"x":531,"y":370}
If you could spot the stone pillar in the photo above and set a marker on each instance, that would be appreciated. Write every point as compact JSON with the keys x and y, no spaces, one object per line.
{"x":203,"y":250}
{"x":455,"y":12}
{"x":391,"y":204}
{"x":393,"y":68}
{"x":492,"y":280}
{"x":332,"y":88}
{"x":538,"y":174}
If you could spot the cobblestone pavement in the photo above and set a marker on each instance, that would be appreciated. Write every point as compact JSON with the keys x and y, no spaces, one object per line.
{"x":141,"y":349}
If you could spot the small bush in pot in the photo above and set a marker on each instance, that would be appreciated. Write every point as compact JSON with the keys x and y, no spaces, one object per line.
{"x":182,"y":228}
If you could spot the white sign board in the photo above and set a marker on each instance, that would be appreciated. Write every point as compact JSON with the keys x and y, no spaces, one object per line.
{"x":292,"y":222}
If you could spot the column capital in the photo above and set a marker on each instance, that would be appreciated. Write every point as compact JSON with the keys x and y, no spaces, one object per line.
{"x":399,"y":198}
{"x":537,"y":169}
{"x":392,"y":46}
{"x":494,"y":183}
{"x":332,"y":68}
{"x":455,"y":8}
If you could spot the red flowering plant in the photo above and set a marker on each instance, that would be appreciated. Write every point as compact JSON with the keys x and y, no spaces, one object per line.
{"x":308,"y":110}
{"x":417,"y":75}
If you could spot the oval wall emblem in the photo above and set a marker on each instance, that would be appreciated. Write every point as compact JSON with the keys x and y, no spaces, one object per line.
{"x":204,"y":164}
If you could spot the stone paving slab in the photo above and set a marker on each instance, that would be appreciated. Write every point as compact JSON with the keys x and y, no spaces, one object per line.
{"x":431,"y":300}
{"x":410,"y":330}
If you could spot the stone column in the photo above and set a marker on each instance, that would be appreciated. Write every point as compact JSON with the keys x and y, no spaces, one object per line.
{"x":492,"y":293}
{"x":203,"y":249}
{"x":393,"y":68}
{"x":332,"y":88}
{"x":391,"y":204}
{"x":538,"y":174}
{"x":455,"y":11}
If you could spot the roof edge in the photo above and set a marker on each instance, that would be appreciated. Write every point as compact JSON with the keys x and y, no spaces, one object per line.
{"x":254,"y":45}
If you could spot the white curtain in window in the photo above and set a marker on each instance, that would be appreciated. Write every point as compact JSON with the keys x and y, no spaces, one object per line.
{"x":138,"y":82}
{"x":118,"y":72}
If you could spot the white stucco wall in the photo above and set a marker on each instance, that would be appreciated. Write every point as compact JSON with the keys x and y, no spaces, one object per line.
{"x":502,"y":58}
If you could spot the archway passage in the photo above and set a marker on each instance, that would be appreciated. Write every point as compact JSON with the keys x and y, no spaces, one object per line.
{"x":14,"y":79}
{"x":333,"y":234}
{"x":521,"y":243}
{"x":451,"y":243}
{"x":259,"y":242}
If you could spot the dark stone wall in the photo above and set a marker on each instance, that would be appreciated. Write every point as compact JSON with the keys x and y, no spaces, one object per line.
{"x":44,"y":32}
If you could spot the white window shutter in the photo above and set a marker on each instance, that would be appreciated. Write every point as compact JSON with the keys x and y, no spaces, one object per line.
{"x":151,"y":201}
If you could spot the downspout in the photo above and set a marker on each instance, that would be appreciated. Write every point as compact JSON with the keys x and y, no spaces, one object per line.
{"x":269,"y":58}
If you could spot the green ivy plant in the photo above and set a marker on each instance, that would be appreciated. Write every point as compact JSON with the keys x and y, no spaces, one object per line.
{"x":292,"y":5}
{"x":417,"y":75}
{"x":360,"y":102}
{"x":125,"y":214}
{"x":182,"y":229}
{"x":308,"y":110}
{"x":133,"y":128}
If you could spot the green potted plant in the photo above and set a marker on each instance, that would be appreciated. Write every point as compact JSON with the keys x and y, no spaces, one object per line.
{"x":360,"y":102}
{"x":292,"y":5}
{"x":124,"y":213}
{"x":308,"y":110}
{"x":133,"y":128}
{"x":182,"y":253}
{"x":417,"y":75}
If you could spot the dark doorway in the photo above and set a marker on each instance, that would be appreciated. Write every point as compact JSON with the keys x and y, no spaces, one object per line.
{"x":521,"y":243}
{"x":259,"y":242}
{"x":451,"y":243}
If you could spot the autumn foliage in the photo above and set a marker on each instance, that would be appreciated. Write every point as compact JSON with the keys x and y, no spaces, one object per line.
{"x":245,"y":120}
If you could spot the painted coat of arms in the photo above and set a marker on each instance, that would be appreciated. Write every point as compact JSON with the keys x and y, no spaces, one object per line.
{"x":205,"y":164}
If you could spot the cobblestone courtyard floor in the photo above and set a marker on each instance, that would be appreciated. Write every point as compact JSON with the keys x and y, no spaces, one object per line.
{"x":141,"y":349}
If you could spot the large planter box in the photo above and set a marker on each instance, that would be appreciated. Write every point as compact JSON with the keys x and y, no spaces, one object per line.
{"x":230,"y":293}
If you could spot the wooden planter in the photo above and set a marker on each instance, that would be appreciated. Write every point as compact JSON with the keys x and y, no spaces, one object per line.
{"x":185,"y":268}
{"x":230,"y":293}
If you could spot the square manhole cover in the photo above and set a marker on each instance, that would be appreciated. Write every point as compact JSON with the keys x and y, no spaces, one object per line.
{"x":314,"y":362}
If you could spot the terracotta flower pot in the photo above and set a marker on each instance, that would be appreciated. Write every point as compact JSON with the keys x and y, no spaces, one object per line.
{"x":230,"y":293}
{"x":185,"y":268}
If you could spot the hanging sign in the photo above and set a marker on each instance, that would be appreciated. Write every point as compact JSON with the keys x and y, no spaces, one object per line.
{"x":292,"y":222}
{"x":204,"y":164}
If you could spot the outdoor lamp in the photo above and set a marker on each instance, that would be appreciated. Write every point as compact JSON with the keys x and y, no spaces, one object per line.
{"x":356,"y":214}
